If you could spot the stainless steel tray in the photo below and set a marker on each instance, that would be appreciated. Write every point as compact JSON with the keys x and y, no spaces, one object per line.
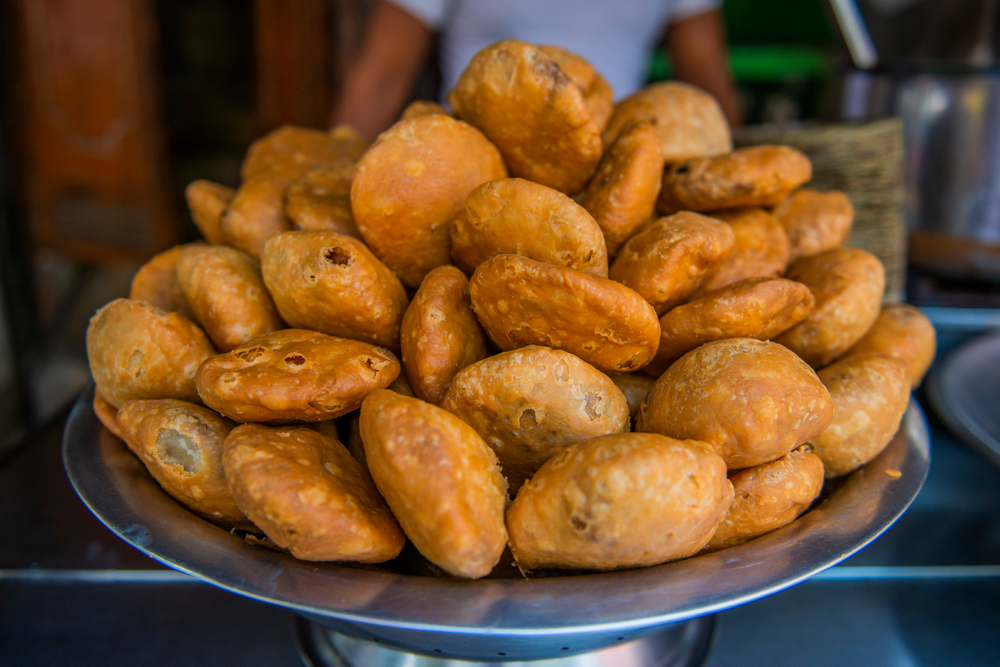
{"x":481,"y":620}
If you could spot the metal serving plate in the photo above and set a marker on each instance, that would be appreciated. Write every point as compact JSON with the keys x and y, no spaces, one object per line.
{"x":479,"y":620}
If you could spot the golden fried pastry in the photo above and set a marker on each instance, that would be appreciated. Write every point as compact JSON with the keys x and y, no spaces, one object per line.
{"x":402,"y":385}
{"x":294,"y":375}
{"x":138,"y":351}
{"x":419,"y":108}
{"x":332,"y":283}
{"x":635,"y":387}
{"x":181,"y":445}
{"x":518,"y":217}
{"x":227,"y":294}
{"x":309,"y":496}
{"x":761,"y":248}
{"x":530,"y":403}
{"x":320,"y":200}
{"x":669,"y":259}
{"x":689,"y":122}
{"x":156,"y":282}
{"x":622,"y":194}
{"x":597,"y":92}
{"x":206,"y":201}
{"x":533,"y":112}
{"x":441,"y":480}
{"x":752,"y":401}
{"x":618,"y":501}
{"x":755,"y":176}
{"x":768,"y":497}
{"x":258,"y":209}
{"x":758,"y":308}
{"x":348,"y":143}
{"x":903,"y":332}
{"x":848,"y":284}
{"x":870,"y":395}
{"x":815,"y":221}
{"x":301,"y":149}
{"x":106,"y":413}
{"x":412,"y":184}
{"x":522,"y":302}
{"x":440,"y":334}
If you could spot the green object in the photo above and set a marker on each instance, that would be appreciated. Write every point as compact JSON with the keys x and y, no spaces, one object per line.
{"x":752,"y":63}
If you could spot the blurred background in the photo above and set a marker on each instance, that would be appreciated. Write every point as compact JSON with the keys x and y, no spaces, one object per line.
{"x":110,"y":107}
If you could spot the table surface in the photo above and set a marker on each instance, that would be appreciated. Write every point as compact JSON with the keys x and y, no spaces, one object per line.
{"x":925,"y":593}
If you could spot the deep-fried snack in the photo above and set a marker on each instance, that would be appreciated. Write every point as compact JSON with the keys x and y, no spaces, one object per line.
{"x":761,"y":249}
{"x":758,"y":308}
{"x":332,"y":283}
{"x":522,"y":302}
{"x":754,"y":176}
{"x":441,"y":480}
{"x":348,"y":143}
{"x":412,"y":184}
{"x":768,"y":497}
{"x":106,"y":413}
{"x":308,"y":495}
{"x":597,"y":92}
{"x":156,"y":282}
{"x":534,"y":113}
{"x":226,"y":292}
{"x":518,"y":217}
{"x":320,"y":200}
{"x":301,"y":149}
{"x":617,"y":501}
{"x":622,"y":194}
{"x":848,"y":284}
{"x":440,"y":334}
{"x":870,"y":395}
{"x":181,"y":445}
{"x":258,"y":209}
{"x":294,"y":375}
{"x":903,"y":332}
{"x":689,"y":122}
{"x":138,"y":351}
{"x":815,"y":221}
{"x":635,"y":387}
{"x":529,"y":404}
{"x":419,"y":108}
{"x":669,"y":259}
{"x":206,"y":201}
{"x":752,"y":401}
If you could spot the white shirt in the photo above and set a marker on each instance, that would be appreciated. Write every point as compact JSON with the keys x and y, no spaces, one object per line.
{"x":617,"y":37}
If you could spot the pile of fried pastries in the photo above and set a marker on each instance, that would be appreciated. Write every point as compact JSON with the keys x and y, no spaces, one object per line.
{"x":591,"y":332}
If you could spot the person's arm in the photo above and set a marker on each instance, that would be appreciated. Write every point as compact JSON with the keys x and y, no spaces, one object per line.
{"x":697,"y":48}
{"x":395,"y":46}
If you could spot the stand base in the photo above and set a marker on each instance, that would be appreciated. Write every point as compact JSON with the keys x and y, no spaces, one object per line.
{"x":679,"y":645}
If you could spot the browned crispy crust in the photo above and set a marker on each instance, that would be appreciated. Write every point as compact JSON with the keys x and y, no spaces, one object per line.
{"x":752,"y":401}
{"x":294,"y":375}
{"x":412,"y":184}
{"x":635,"y":387}
{"x":618,"y":501}
{"x":227,"y":295}
{"x":555,"y":140}
{"x":206,"y":201}
{"x":332,"y":283}
{"x":301,"y":149}
{"x":522,"y":302}
{"x":597,"y":92}
{"x":755,"y":176}
{"x":758,"y":308}
{"x":156,"y":282}
{"x":419,"y":108}
{"x":870,"y":395}
{"x":107,"y":413}
{"x":529,"y":404}
{"x":320,"y":200}
{"x":181,"y":445}
{"x":761,"y":248}
{"x":903,"y":332}
{"x":308,"y":495}
{"x":441,"y":480}
{"x":768,"y":497}
{"x":669,"y":259}
{"x":440,"y":334}
{"x":815,"y":221}
{"x":257,"y":210}
{"x":689,"y":122}
{"x":847,"y":284}
{"x":138,"y":351}
{"x":518,"y":217}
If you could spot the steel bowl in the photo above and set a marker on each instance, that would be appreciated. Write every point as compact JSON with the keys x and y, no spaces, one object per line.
{"x":517,"y":619}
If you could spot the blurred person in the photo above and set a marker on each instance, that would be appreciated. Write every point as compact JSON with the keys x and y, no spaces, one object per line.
{"x":617,"y":38}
